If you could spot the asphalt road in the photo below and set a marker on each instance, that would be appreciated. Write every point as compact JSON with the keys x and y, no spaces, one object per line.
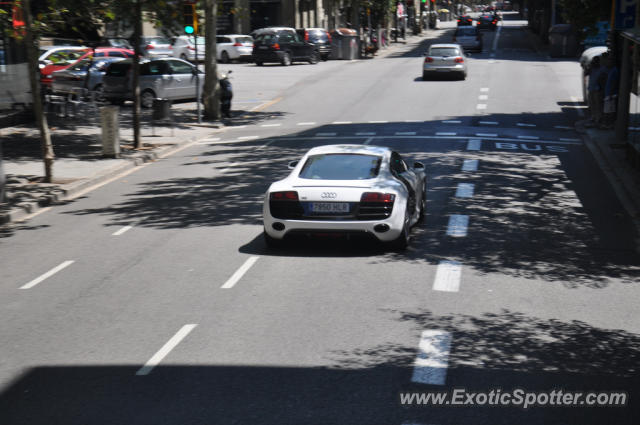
{"x":153,"y":299}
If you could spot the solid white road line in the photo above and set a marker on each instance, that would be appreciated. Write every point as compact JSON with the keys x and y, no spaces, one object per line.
{"x":483,"y":97}
{"x":458,"y":225}
{"x":452,"y":122}
{"x":488,"y":122}
{"x":48,"y":274}
{"x":474,"y":145}
{"x":481,"y":106}
{"x":486,"y":134}
{"x":529,"y":137}
{"x":470,"y":165}
{"x":270,"y":125}
{"x":465,"y":190}
{"x":522,"y":124}
{"x":366,"y":133}
{"x":432,"y":361}
{"x":121,"y":231}
{"x":448,"y":276}
{"x":306,"y":123}
{"x":326,"y":134}
{"x":166,"y":349}
{"x":240,"y":272}
{"x":445,"y":134}
{"x":405,"y":133}
{"x":342,"y":122}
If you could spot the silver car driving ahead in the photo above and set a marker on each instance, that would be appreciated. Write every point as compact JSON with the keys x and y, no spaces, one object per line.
{"x":165,"y":78}
{"x":445,"y":59}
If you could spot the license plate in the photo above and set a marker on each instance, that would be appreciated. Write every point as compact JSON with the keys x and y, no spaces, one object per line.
{"x":330,"y":207}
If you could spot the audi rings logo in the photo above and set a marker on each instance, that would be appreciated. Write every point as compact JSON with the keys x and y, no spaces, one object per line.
{"x":329,"y":195}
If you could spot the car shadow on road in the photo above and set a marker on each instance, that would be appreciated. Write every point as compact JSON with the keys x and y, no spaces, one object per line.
{"x":499,"y":352}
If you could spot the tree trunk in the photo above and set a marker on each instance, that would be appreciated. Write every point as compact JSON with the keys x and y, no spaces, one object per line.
{"x":211,"y":90}
{"x":137,"y":31}
{"x":38,"y":110}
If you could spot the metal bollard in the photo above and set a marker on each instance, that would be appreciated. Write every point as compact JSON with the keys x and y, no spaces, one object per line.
{"x":110,"y":131}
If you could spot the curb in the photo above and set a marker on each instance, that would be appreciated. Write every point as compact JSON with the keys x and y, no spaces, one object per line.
{"x":68,"y":191}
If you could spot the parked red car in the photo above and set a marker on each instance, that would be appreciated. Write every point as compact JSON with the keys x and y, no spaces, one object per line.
{"x":45,"y":73}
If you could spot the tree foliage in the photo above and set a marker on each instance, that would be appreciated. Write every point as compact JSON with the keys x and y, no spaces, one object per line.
{"x":584,"y":13}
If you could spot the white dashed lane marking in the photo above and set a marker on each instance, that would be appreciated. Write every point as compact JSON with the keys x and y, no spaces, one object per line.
{"x":481,"y":106}
{"x":488,"y":122}
{"x":326,"y":134}
{"x":342,"y":122}
{"x":47,"y":275}
{"x":563,"y":127}
{"x":470,"y":165}
{"x":240,"y":272}
{"x":483,"y":97}
{"x":474,"y":145}
{"x":529,"y":137}
{"x":306,"y":123}
{"x":484,"y":89}
{"x":486,"y":134}
{"x":458,"y":225}
{"x":378,"y":122}
{"x":522,"y":124}
{"x":465,"y":190}
{"x":366,"y":133}
{"x":248,"y":137}
{"x":448,"y":276}
{"x":432,"y":361}
{"x":405,"y":133}
{"x":121,"y":231}
{"x":166,"y":349}
{"x":270,"y":125}
{"x":452,"y":122}
{"x":445,"y":134}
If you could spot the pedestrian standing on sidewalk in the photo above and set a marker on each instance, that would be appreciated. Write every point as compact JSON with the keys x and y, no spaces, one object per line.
{"x":611,"y":92}
{"x":595,"y":87}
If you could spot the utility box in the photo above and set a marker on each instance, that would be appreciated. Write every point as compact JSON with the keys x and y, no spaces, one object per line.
{"x":110,"y":126}
{"x":562,"y":41}
{"x":344,"y":44}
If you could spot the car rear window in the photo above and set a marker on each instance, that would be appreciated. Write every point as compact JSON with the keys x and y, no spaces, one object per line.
{"x":466,"y":32}
{"x":118,"y":69}
{"x":244,"y":40}
{"x":444,"y":51}
{"x":341,"y":167}
{"x":318,"y":35}
{"x":159,"y":40}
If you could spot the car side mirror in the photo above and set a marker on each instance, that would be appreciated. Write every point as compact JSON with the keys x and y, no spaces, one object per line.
{"x":418,"y":165}
{"x":293,"y":164}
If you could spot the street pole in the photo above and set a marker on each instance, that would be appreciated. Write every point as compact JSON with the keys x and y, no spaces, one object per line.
{"x":195,"y":42}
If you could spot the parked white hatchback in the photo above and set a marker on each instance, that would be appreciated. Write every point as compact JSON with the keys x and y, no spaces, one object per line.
{"x":184,"y":47}
{"x":234,"y":47}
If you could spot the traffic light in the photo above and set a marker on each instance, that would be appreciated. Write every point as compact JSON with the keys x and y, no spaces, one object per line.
{"x":190,"y":17}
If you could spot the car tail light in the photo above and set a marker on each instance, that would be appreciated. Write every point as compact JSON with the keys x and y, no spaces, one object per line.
{"x":170,"y":47}
{"x":236,"y":44}
{"x":377,"y":197}
{"x":458,"y":20}
{"x":288,"y":195}
{"x":276,"y":46}
{"x":306,"y":35}
{"x":191,"y":48}
{"x":459,"y":59}
{"x":428,"y":59}
{"x":150,"y":46}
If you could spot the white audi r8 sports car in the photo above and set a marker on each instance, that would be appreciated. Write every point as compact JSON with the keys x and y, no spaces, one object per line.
{"x":347,"y":189}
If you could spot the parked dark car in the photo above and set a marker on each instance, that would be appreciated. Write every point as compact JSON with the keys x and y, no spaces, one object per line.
{"x":487,"y":22}
{"x":283,"y":45}
{"x":318,"y":36}
{"x":464,"y":20}
{"x":74,"y":79}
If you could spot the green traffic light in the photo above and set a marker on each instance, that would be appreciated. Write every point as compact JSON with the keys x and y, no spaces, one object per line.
{"x":188,"y":29}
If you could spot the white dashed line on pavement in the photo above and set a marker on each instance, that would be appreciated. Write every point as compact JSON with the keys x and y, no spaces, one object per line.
{"x":366,"y":133}
{"x":306,"y":123}
{"x":522,"y":124}
{"x":378,"y":122}
{"x":486,"y":135}
{"x":448,"y":276}
{"x":563,"y":127}
{"x":165,"y":350}
{"x":405,"y":133}
{"x":484,"y":89}
{"x":432,"y":361}
{"x":270,"y":125}
{"x":465,"y":190}
{"x":47,"y":275}
{"x":529,"y":137}
{"x":326,"y":134}
{"x":483,"y":97}
{"x":121,"y":231}
{"x":240,"y":272}
{"x":481,"y":106}
{"x":342,"y":122}
{"x":458,"y":225}
{"x":413,"y":121}
{"x":248,"y":137}
{"x":474,"y":145}
{"x":452,"y":122}
{"x":445,"y":134}
{"x":488,"y":122}
{"x":470,"y":165}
